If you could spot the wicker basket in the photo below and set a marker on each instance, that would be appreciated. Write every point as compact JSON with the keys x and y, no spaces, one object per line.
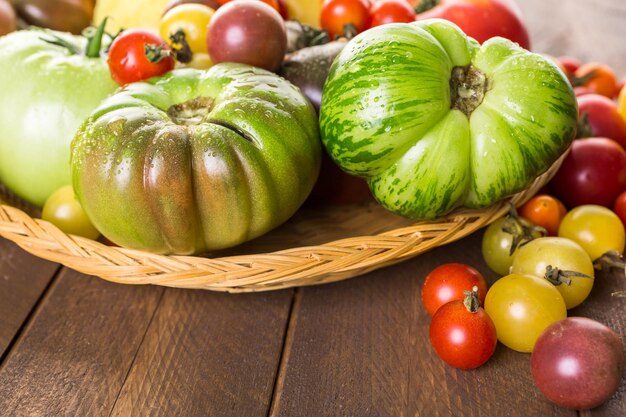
{"x":318,"y":245}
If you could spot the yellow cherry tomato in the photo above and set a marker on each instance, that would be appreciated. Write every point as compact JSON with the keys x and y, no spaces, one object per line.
{"x":521,"y":307}
{"x":64,"y":211}
{"x":191,"y":18}
{"x":596,"y":228}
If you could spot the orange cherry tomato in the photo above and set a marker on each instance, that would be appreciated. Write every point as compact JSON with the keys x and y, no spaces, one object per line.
{"x":545,"y":211}
{"x":597,"y":77}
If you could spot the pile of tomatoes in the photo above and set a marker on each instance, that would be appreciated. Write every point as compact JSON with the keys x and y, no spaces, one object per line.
{"x":547,"y":253}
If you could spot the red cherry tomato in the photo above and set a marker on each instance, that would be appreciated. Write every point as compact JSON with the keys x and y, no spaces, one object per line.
{"x":600,"y":117}
{"x":448,"y":282}
{"x":391,"y":11}
{"x":339,"y":16}
{"x":593,"y":172}
{"x":619,"y":207}
{"x":483,"y":19}
{"x":545,"y":211}
{"x":598,"y":77}
{"x":463,"y":334}
{"x":129,"y":62}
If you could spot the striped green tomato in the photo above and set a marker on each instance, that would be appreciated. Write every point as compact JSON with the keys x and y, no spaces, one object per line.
{"x":435,"y":121}
{"x":196,"y":160}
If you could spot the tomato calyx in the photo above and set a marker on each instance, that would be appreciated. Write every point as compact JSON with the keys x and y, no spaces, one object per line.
{"x":156,"y":53}
{"x":471,"y":301}
{"x":579,"y":81}
{"x":180,"y":47}
{"x":584,"y":129}
{"x":522,"y":233}
{"x":426,"y":5}
{"x":558,"y":276}
{"x":94,"y":37}
{"x":309,"y":36}
{"x":468,"y":86}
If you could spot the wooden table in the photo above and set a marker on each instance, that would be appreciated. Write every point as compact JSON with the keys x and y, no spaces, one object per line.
{"x":75,"y":345}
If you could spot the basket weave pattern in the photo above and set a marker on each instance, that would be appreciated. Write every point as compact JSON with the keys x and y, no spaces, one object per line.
{"x":334,"y":260}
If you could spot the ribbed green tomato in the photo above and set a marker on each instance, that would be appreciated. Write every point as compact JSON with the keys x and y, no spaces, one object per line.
{"x":47,"y":92}
{"x":196,"y":160}
{"x":435,"y":121}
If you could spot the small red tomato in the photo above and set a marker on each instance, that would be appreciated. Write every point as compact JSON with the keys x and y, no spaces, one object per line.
{"x":545,"y":211}
{"x":391,"y":11}
{"x":598,"y":77}
{"x":600,"y":117}
{"x":137,"y":55}
{"x":345,"y":17}
{"x":462,"y":333}
{"x":593,"y":172}
{"x":448,"y":282}
{"x":619,"y":207}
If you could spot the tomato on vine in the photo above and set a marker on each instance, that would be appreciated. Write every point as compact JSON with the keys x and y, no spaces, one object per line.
{"x":462,"y":333}
{"x":448,"y":282}
{"x":345,"y":17}
{"x":137,"y":55}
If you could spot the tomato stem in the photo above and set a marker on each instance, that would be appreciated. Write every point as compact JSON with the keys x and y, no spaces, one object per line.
{"x":558,"y":276}
{"x":520,"y":232}
{"x":584,"y":127}
{"x":156,"y":53}
{"x":471,"y":301}
{"x":425,"y":5}
{"x":583,"y":79}
{"x":180,"y":46}
{"x":608,"y":260}
{"x":94,"y":39}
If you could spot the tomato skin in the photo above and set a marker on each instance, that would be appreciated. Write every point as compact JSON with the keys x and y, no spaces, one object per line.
{"x":521,"y":307}
{"x":483,"y":19}
{"x":448,"y":282}
{"x":619,"y":207}
{"x":564,"y":254}
{"x":274,"y":3}
{"x":544,"y":210}
{"x":621,"y":102}
{"x":601,"y":118}
{"x":593,"y":172}
{"x":250,"y":20}
{"x":596,"y":228}
{"x":336,"y":14}
{"x":598,"y":77}
{"x":127,"y":59}
{"x":578,"y":363}
{"x":391,"y":11}
{"x":461,"y":338}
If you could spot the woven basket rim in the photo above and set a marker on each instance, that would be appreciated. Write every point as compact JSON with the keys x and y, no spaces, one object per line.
{"x":298,"y":266}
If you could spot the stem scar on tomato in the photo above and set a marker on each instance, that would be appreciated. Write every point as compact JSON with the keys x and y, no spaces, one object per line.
{"x":467,"y":87}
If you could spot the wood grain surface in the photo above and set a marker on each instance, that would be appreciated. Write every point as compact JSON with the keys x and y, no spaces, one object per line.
{"x":74,"y":345}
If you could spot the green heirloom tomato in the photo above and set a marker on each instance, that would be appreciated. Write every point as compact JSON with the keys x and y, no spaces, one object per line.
{"x":47,"y":92}
{"x":196,"y":160}
{"x":435,"y":121}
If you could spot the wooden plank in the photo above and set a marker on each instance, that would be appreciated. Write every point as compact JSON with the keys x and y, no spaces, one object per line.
{"x":361,"y":348}
{"x":23,"y":279}
{"x":208,"y":354}
{"x":74,"y":355}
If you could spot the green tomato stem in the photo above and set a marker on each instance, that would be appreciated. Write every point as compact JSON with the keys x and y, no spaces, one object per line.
{"x":558,"y":276}
{"x":94,"y":39}
{"x":425,"y":5}
{"x":521,"y":232}
{"x":155,"y":53}
{"x":471,"y":301}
